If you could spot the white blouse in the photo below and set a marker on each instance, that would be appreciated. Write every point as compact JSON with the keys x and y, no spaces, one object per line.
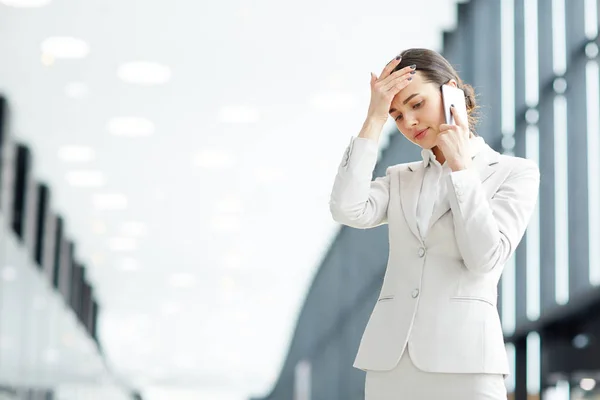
{"x":433,"y":190}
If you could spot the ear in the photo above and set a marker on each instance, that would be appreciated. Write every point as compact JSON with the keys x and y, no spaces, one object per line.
{"x":452,"y":82}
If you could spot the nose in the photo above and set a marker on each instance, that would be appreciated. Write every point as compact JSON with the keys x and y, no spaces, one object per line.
{"x":410,"y":120}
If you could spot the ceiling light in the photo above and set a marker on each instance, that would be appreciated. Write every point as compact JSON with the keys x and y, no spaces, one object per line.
{"x":86,"y":178}
{"x":65,"y":47}
{"x":182,"y":280}
{"x":25,"y":3}
{"x":134,"y":229}
{"x":122,"y":244}
{"x":109,"y":201}
{"x":587,"y":384}
{"x":130,"y":126}
{"x":213,"y":159}
{"x":144,"y":73}
{"x":76,"y":90}
{"x":76,"y":154}
{"x":238,"y":115}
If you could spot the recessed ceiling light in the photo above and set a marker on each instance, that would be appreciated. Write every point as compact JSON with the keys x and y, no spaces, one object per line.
{"x":239,"y":115}
{"x":122,"y":244}
{"x":76,"y":154}
{"x":144,"y":73}
{"x":214,"y":159}
{"x":130,"y":126}
{"x":109,"y":201}
{"x":65,"y":47}
{"x":86,"y":178}
{"x":25,"y":3}
{"x":76,"y":90}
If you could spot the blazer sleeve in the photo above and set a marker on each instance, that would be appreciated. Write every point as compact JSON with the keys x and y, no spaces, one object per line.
{"x":356,"y":200}
{"x":488,"y":231}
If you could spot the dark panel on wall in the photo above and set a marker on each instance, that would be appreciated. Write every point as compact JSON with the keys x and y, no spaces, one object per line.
{"x":40,"y":229}
{"x":21,"y":184}
{"x":58,"y":240}
{"x":66,"y":263}
{"x":77,"y":277}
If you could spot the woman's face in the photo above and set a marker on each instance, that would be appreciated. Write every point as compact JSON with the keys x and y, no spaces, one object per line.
{"x":419,"y":112}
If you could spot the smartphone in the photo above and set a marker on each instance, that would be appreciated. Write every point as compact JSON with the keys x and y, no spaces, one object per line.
{"x":454,"y":96}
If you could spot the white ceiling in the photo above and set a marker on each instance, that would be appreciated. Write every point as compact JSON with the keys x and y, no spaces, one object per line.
{"x":201,"y":300}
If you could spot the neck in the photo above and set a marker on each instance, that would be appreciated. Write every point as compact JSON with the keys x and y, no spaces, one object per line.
{"x":439,"y":156}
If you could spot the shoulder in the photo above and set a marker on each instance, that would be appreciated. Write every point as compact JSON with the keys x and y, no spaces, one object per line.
{"x":518,"y":165}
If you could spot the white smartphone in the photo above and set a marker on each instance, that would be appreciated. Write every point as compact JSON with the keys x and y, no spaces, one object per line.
{"x":454,"y":96}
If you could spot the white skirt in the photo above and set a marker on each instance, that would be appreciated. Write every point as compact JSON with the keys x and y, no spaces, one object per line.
{"x":408,"y":382}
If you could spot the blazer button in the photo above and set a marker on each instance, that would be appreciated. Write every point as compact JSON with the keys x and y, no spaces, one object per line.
{"x":415,"y":293}
{"x":421,"y":252}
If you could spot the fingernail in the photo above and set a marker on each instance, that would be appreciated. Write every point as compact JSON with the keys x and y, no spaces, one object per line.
{"x":413,"y":72}
{"x":451,"y":105}
{"x":398,"y":57}
{"x":413,"y":66}
{"x":410,"y":78}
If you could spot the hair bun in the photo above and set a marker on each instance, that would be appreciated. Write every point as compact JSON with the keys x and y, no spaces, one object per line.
{"x":470,"y":100}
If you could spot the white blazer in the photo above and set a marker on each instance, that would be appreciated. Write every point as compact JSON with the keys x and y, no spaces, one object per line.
{"x":439,"y":293}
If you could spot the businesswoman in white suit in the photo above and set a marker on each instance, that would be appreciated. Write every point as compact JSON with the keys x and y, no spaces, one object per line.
{"x":454,"y":219}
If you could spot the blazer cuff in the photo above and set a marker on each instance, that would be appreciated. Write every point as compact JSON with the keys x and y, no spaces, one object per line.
{"x":360,"y":156}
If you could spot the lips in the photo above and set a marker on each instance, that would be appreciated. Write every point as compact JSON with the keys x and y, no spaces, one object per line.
{"x":420,"y":134}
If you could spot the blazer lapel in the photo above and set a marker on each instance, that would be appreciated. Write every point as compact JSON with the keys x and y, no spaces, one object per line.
{"x":410,"y":189}
{"x":483,"y":164}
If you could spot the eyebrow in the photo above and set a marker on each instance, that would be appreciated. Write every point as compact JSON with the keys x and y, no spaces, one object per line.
{"x":393,"y":110}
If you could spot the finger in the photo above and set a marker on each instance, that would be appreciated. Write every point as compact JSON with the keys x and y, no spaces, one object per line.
{"x":397,"y":76}
{"x":398,"y":86}
{"x":458,"y":118}
{"x":445,"y":127}
{"x":390,"y":67}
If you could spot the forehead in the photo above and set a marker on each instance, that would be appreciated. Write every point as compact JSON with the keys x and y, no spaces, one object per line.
{"x":418,"y":85}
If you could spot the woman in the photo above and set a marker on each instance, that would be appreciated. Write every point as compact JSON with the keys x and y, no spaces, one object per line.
{"x":455,"y":218}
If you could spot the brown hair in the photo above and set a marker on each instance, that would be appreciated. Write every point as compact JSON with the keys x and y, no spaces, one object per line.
{"x":436,"y":69}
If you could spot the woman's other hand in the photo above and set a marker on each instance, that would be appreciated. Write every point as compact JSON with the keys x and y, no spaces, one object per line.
{"x":384,"y":88}
{"x":453,"y":141}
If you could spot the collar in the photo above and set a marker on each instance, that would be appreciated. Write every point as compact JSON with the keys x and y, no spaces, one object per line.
{"x":476,"y":144}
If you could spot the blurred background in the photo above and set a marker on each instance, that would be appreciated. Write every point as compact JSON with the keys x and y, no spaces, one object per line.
{"x":166,"y":169}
